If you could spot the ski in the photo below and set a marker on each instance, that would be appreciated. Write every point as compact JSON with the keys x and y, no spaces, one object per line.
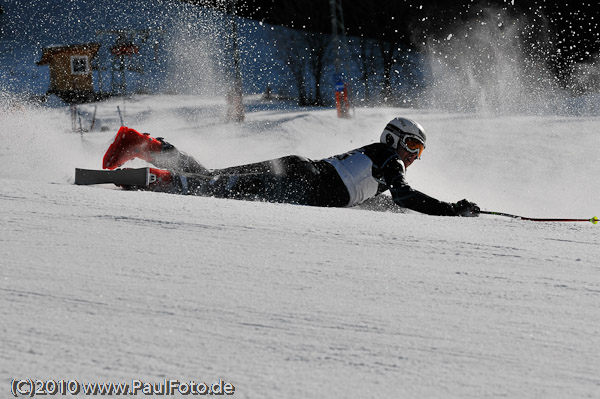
{"x":594,"y":219}
{"x":127,"y":177}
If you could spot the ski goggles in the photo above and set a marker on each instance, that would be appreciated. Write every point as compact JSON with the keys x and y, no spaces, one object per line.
{"x":413,"y":145}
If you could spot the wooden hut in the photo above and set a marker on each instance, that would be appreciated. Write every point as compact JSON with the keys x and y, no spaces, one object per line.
{"x":71,"y":76}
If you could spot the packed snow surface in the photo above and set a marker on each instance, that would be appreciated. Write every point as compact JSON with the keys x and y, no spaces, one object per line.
{"x":99,"y":284}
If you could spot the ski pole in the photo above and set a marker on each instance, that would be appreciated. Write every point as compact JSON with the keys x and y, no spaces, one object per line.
{"x":593,"y":219}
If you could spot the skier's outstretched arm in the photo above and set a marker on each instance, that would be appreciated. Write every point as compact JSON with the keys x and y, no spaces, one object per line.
{"x":407,"y":197}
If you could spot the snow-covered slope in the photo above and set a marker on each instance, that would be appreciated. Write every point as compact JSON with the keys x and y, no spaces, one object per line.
{"x":103,"y":285}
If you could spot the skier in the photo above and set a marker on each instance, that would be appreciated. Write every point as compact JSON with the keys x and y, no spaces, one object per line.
{"x":339,"y":181}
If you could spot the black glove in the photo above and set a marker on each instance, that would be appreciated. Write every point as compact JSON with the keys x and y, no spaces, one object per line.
{"x":466,"y":208}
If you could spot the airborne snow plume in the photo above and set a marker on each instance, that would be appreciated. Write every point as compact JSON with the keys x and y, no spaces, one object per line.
{"x":498,"y":64}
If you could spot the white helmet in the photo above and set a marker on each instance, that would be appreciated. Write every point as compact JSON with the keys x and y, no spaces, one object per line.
{"x":398,"y":129}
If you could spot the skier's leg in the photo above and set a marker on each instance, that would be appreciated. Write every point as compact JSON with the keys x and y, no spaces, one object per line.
{"x":273,"y":166}
{"x":178,"y":161}
{"x":289,"y":179}
{"x":129,"y":144}
{"x":296,"y":181}
{"x":252,"y":187}
{"x":173,"y":159}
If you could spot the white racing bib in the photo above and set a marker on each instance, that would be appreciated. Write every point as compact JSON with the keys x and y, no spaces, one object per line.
{"x":356,"y":171}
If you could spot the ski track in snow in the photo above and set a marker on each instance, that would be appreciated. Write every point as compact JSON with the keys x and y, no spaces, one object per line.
{"x":282,"y":301}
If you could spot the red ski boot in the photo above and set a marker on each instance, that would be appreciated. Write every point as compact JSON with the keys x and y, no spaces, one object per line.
{"x":130,"y":144}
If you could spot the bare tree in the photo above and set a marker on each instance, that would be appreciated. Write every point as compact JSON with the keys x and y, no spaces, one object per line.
{"x":317,"y":43}
{"x":388,"y":25}
{"x":294,"y":57}
{"x":306,"y":51}
{"x":365,"y":59}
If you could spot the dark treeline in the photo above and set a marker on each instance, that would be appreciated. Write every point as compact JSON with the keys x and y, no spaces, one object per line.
{"x":573,"y":27}
{"x":558,"y":33}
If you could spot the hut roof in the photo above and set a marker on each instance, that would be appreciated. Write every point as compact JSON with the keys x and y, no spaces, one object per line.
{"x":48,"y":53}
